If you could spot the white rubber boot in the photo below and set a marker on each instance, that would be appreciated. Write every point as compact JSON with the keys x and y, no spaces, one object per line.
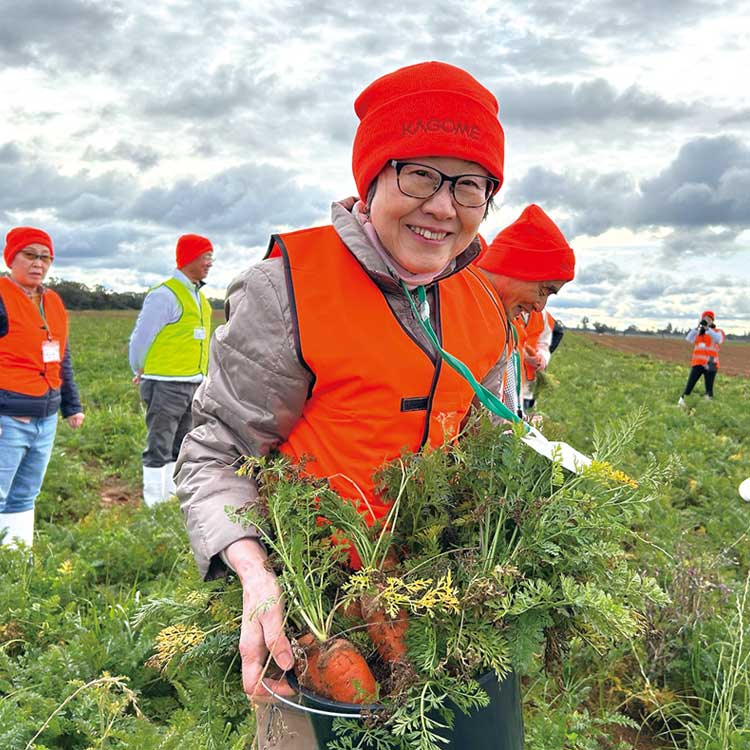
{"x":169,"y":486}
{"x":19,"y":528}
{"x":153,"y":485}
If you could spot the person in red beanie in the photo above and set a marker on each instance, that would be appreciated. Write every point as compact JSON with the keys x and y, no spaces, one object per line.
{"x":706,"y":339}
{"x":169,"y":358}
{"x":322,"y":354}
{"x":37,"y":378}
{"x":526,"y":263}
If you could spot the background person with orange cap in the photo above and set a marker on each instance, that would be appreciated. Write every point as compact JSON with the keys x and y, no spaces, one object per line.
{"x":706,"y":339}
{"x":526,"y":263}
{"x":169,"y":358}
{"x":323,"y":353}
{"x":36,"y":378}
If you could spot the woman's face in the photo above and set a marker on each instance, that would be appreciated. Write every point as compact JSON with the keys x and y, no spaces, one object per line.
{"x":520,"y":296}
{"x":27,"y":269}
{"x":424,"y":234}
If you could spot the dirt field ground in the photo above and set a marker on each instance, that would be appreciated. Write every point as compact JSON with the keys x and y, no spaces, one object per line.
{"x":734,"y":356}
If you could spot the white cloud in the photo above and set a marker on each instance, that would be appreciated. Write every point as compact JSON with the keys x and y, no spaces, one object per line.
{"x":127,"y":124}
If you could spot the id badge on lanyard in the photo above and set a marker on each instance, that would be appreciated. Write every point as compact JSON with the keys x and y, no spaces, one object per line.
{"x":50,"y":351}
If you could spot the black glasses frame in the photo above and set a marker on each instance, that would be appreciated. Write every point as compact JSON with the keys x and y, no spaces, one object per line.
{"x":399,"y":165}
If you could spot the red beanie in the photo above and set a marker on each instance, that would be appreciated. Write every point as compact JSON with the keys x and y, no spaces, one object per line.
{"x":532,"y":248}
{"x":20,"y":237}
{"x":708,"y":312}
{"x":190,"y":246}
{"x":429,"y":109}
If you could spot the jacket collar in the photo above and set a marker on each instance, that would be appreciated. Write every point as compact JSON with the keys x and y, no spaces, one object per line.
{"x":193,"y":286}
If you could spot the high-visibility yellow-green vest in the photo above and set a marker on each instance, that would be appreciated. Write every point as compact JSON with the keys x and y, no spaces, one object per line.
{"x":180,"y":349}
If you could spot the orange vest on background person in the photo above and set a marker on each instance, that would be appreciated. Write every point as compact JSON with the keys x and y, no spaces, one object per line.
{"x":704,"y":347}
{"x":532,"y":329}
{"x":21,"y":361}
{"x":520,"y":342}
{"x":375,"y":389}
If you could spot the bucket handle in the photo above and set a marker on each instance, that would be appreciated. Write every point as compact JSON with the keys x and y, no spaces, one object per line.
{"x":307,"y":709}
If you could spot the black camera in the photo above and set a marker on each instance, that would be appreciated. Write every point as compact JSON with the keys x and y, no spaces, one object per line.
{"x":703,"y":323}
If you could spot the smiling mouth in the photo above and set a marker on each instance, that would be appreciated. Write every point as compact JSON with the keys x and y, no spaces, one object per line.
{"x":427,"y":234}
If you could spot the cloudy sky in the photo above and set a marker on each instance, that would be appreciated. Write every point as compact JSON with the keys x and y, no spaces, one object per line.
{"x":126,"y":124}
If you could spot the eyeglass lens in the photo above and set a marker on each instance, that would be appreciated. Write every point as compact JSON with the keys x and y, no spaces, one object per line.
{"x":31,"y":257}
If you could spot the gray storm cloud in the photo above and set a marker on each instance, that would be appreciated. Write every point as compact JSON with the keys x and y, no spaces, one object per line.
{"x":706,"y":184}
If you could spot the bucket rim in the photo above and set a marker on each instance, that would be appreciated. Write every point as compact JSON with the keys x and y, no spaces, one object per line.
{"x":330,"y":707}
{"x":354,"y":710}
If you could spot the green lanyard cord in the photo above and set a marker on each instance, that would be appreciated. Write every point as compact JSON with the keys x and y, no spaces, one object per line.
{"x":485,"y":396}
{"x":516,"y":357}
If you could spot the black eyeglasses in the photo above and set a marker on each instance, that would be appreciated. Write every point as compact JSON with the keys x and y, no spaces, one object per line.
{"x":420,"y":181}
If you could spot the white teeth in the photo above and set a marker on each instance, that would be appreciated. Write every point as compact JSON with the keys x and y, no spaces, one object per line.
{"x":427,"y":234}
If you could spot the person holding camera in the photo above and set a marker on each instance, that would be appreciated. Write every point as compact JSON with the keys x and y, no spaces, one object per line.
{"x":706,"y":339}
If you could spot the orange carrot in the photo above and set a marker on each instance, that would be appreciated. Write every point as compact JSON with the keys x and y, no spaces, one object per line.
{"x":387,"y":633}
{"x":345,"y":673}
{"x":306,"y":664}
{"x":335,"y":670}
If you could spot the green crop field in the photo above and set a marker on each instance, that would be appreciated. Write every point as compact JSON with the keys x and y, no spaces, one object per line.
{"x":83,"y":624}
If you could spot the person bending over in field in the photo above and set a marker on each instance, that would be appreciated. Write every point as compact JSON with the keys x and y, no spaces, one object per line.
{"x":706,"y":339}
{"x":169,"y":359}
{"x":37,"y":378}
{"x":527,"y":262}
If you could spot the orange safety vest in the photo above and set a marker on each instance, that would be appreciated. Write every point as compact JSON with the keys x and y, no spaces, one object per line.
{"x":533,"y":329}
{"x":375,"y":389}
{"x":21,"y":361}
{"x":704,"y":348}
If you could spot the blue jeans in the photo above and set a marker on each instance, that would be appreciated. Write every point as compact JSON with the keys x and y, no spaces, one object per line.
{"x":24,"y":454}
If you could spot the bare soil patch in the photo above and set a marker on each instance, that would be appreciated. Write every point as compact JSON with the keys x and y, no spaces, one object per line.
{"x":734,"y":356}
{"x":115,"y":492}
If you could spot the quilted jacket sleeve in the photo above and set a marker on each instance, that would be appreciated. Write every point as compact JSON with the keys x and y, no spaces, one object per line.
{"x":253,"y":395}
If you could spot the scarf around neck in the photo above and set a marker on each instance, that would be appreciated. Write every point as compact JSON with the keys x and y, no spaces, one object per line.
{"x":412,"y":280}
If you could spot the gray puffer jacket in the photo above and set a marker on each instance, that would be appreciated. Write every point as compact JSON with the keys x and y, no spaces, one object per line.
{"x":256,"y":389}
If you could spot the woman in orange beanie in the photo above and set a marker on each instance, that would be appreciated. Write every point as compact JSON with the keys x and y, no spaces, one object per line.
{"x":527,"y":262}
{"x":37,"y":378}
{"x":322,"y":354}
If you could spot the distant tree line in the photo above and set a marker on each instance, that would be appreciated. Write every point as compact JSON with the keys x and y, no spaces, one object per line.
{"x":633,"y":330}
{"x":78,"y":296}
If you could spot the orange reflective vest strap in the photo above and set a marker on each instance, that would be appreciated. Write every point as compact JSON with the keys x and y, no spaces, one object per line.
{"x":21,"y":362}
{"x":533,"y":327}
{"x":704,"y":348}
{"x":520,"y":342}
{"x":376,"y":391}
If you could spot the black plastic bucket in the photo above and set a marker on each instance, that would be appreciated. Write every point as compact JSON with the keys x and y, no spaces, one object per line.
{"x":497,"y":726}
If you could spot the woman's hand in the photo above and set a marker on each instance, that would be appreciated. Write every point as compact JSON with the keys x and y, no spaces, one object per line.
{"x":262,"y":628}
{"x":75,"y":420}
{"x":533,"y":360}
